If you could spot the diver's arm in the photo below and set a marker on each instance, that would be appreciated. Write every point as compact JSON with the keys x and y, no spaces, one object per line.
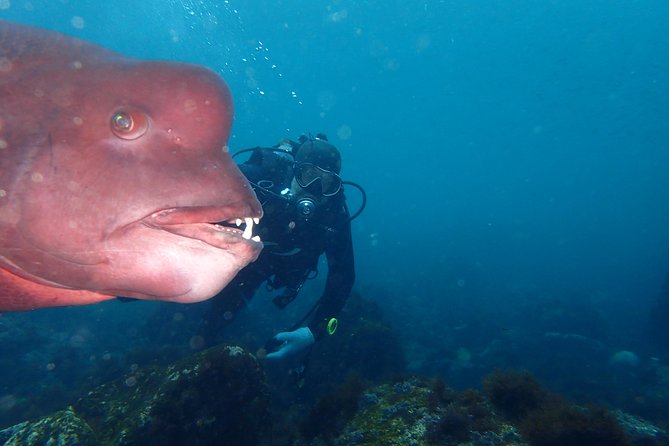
{"x":341,"y":276}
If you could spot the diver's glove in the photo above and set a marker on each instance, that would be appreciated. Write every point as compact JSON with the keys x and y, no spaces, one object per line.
{"x":289,"y":343}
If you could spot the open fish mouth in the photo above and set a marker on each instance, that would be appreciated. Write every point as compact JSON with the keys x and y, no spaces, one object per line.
{"x":246,"y":223}
{"x":212,"y":225}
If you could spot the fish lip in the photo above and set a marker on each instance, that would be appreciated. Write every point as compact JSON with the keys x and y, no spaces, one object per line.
{"x":204,"y":223}
{"x":201,"y":214}
{"x":218,"y":236}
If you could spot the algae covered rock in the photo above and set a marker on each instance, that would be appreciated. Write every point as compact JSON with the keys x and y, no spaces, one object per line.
{"x":416,"y":412}
{"x":218,"y":396}
{"x":640,"y":430}
{"x":62,"y":428}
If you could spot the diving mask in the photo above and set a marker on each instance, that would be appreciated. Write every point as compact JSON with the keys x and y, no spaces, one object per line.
{"x":306,"y":174}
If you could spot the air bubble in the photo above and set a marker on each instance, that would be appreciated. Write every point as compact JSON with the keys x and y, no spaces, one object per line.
{"x":196,"y":342}
{"x":77,"y":22}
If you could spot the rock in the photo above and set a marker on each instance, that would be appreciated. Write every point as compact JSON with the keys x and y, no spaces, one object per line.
{"x":640,"y":430}
{"x":216,"y":397}
{"x":63,"y":428}
{"x":412,"y":412}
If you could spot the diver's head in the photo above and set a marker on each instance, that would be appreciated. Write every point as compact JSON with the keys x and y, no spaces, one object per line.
{"x":316,"y":169}
{"x":320,"y":152}
{"x":315,"y":175}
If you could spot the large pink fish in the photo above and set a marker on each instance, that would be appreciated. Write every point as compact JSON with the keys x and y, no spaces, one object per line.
{"x":112,"y":173}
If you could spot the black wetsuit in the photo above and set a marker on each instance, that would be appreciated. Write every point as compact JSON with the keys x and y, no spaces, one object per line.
{"x":292,"y":248}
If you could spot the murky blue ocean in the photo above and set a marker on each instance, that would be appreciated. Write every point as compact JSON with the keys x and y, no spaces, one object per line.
{"x":515,"y":155}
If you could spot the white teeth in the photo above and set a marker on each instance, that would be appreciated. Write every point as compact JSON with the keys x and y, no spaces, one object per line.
{"x":248,"y":231}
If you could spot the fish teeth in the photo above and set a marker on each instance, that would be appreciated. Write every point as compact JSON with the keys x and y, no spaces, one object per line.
{"x":248,"y":230}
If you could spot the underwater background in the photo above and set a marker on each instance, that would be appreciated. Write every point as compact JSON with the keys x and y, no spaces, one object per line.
{"x":515,"y":156}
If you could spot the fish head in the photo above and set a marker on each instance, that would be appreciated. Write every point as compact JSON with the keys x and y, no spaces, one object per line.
{"x":116,"y":179}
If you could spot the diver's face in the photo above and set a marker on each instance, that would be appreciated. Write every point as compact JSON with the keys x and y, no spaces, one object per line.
{"x":298,"y":192}
{"x":317,"y":180}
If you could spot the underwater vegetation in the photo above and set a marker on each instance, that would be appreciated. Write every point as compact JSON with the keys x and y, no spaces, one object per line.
{"x":412,"y":411}
{"x":546,"y":419}
{"x":561,"y":424}
{"x":515,"y":394}
{"x":220,"y":397}
{"x":512,"y":410}
{"x":331,"y":413}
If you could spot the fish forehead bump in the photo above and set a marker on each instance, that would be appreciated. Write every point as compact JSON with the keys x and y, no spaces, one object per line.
{"x":170,"y":93}
{"x":34,"y":54}
{"x":197,"y":96}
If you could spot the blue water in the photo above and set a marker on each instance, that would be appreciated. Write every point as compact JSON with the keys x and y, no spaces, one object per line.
{"x":515,"y":155}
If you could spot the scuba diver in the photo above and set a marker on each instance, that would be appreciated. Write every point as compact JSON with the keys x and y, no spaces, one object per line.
{"x":305,"y":216}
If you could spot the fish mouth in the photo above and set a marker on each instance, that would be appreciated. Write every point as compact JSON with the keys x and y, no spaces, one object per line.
{"x":220,"y":227}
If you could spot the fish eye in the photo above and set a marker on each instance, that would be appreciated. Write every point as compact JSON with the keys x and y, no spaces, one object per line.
{"x":129,"y":124}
